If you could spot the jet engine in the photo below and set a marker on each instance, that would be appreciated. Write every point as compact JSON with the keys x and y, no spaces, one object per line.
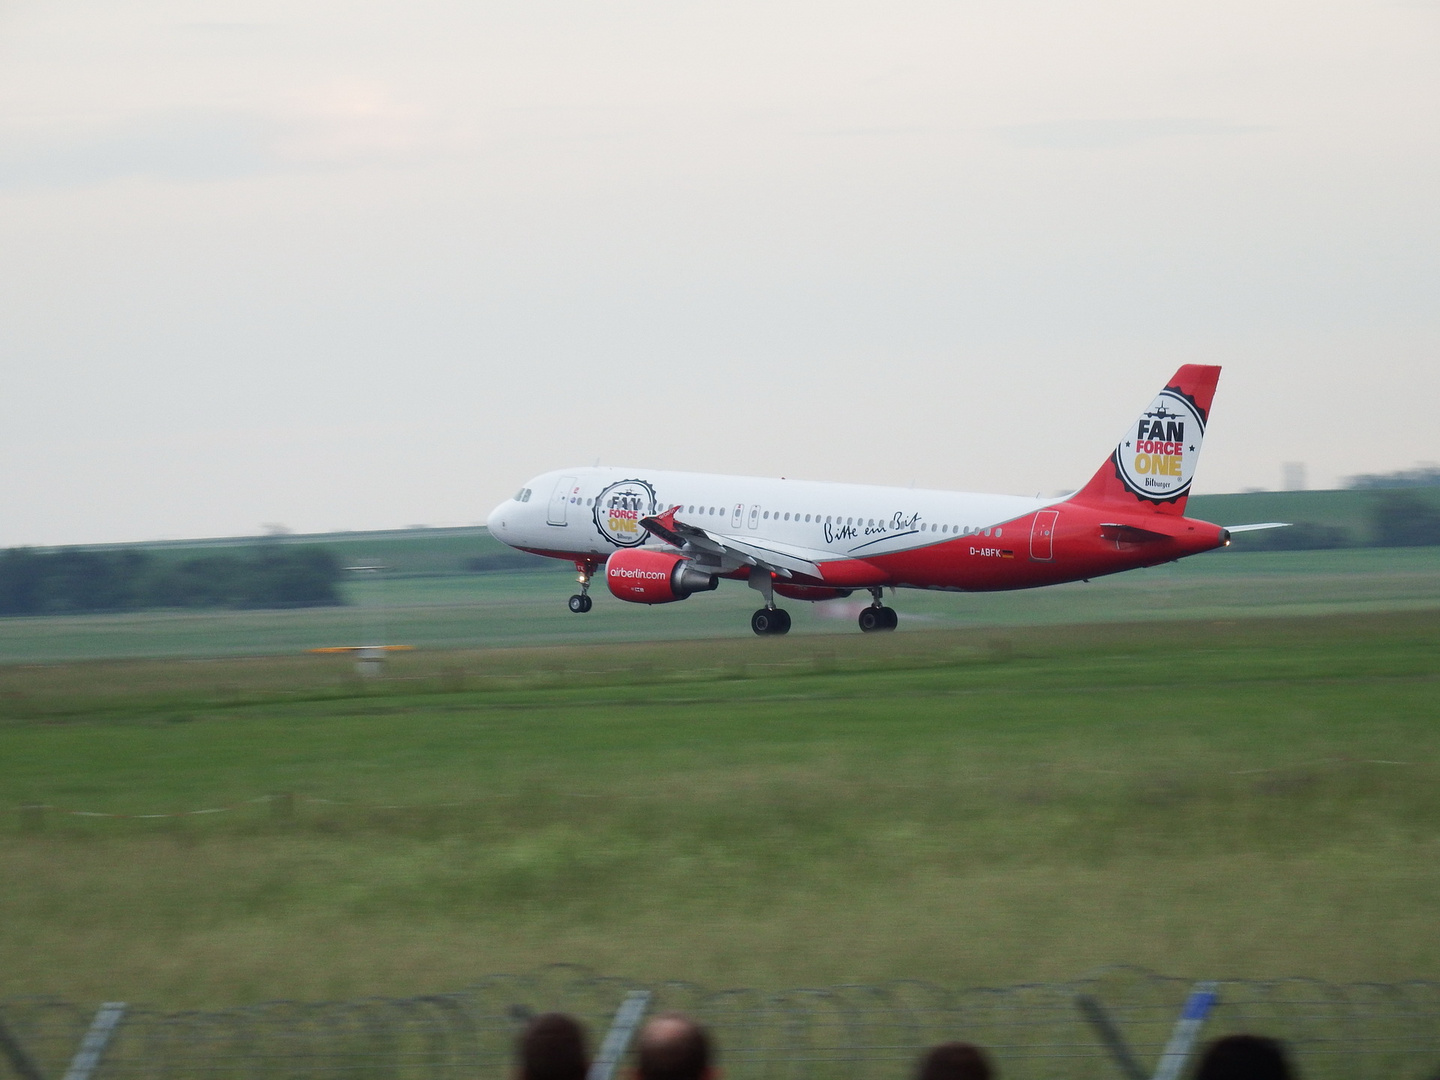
{"x":654,"y":577}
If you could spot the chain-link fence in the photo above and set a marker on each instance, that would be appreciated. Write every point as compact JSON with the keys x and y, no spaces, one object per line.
{"x":1040,"y":1031}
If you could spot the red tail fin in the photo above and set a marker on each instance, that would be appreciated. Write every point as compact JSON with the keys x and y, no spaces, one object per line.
{"x":1151,"y":468}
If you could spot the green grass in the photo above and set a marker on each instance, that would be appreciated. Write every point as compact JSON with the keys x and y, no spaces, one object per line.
{"x":1219,"y":797}
{"x":1351,"y":510}
{"x":513,"y":609}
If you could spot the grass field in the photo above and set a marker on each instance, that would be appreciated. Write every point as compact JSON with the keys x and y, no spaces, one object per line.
{"x":1216,"y":796}
{"x":509,"y":609}
{"x":1352,"y":510}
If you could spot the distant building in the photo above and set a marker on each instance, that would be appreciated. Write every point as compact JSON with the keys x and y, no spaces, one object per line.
{"x":1292,"y":476}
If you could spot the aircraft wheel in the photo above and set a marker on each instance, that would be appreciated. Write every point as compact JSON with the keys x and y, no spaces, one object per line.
{"x":891,"y":618}
{"x":770,"y":621}
{"x":871,"y":620}
{"x":580,"y":603}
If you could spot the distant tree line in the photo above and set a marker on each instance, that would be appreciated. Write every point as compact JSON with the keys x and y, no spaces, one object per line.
{"x":1420,"y":476}
{"x":1397,"y":519}
{"x":76,"y":580}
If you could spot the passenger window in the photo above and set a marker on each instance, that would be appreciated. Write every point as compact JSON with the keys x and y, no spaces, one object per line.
{"x":998,"y":533}
{"x":849,"y":521}
{"x":787,"y":515}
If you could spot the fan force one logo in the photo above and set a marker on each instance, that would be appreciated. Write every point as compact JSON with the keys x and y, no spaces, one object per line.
{"x":1157,"y":459}
{"x":618,"y":511}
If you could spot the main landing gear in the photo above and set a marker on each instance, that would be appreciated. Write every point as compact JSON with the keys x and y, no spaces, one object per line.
{"x":770,"y":621}
{"x":581,"y":602}
{"x":877,"y":617}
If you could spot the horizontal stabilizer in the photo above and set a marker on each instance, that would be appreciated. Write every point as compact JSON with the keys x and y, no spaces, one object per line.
{"x":1257,"y":527}
{"x":1131,"y":534}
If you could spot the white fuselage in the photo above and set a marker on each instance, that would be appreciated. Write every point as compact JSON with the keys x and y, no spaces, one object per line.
{"x":589,"y":512}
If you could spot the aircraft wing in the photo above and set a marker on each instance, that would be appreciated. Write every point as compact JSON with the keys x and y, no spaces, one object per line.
{"x":1257,"y":527}
{"x":731,"y":552}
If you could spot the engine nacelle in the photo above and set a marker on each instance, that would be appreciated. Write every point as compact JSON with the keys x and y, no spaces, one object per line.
{"x":810,"y":592}
{"x":654,"y":577}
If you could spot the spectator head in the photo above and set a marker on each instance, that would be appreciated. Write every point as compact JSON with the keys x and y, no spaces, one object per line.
{"x":674,"y":1047}
{"x":552,"y":1047}
{"x":954,"y":1061}
{"x":1244,"y":1057}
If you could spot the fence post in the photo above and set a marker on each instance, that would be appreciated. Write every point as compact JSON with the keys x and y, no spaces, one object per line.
{"x":92,"y":1047}
{"x":622,"y":1030}
{"x":15,"y":1054}
{"x":1187,"y":1029}
{"x":1110,"y":1035}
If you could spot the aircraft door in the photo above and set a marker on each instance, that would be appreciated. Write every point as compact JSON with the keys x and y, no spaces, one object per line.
{"x":738,"y":516}
{"x":1042,"y":536}
{"x":755,"y":516}
{"x":559,"y":500}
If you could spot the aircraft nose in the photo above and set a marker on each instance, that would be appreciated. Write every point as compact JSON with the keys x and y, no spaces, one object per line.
{"x":496,"y":521}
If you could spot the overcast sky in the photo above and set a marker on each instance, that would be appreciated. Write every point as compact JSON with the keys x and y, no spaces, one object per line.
{"x":359,"y":265}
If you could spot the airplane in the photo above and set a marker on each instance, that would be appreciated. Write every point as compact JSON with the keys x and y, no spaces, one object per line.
{"x":661,"y":537}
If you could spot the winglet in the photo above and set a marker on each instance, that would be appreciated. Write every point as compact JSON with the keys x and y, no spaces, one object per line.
{"x":663,"y":526}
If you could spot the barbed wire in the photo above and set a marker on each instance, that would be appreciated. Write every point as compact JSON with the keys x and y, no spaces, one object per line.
{"x":1033,"y":1031}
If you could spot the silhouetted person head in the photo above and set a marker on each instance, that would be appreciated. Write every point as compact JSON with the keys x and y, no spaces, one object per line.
{"x":674,"y":1047}
{"x":552,"y":1047}
{"x":1244,"y":1057}
{"x":954,"y":1061}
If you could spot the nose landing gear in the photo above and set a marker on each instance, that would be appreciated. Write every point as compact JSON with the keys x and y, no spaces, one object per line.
{"x":581,"y":602}
{"x":877,"y":617}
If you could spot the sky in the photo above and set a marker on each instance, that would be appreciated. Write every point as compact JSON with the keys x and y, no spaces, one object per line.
{"x":348,"y":265}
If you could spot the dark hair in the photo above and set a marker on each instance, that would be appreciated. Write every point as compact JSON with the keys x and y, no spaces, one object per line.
{"x":1244,"y":1057}
{"x":552,"y":1047}
{"x":673,"y":1047}
{"x":954,"y":1061}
